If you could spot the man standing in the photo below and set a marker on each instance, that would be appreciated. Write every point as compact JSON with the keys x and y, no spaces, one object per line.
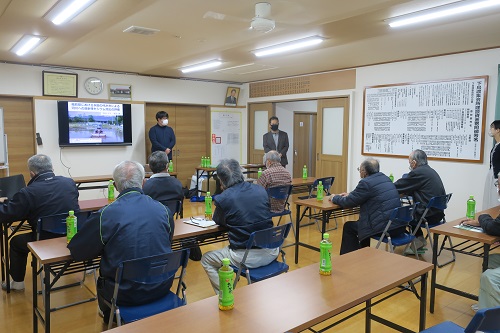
{"x":276,"y":140}
{"x":133,"y":226}
{"x":162,"y":136}
{"x":274,"y":175}
{"x":243,"y":208}
{"x":46,"y":194}
{"x":422,"y":183}
{"x":377,"y":197}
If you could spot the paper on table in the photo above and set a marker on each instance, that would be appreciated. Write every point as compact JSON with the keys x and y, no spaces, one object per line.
{"x":200,"y":222}
{"x":464,"y":226}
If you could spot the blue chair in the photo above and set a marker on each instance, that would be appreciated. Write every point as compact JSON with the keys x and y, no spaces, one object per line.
{"x":56,"y":224}
{"x":440,"y":203}
{"x":176,"y":207}
{"x":485,"y":320}
{"x":268,"y":238}
{"x":327,"y":183}
{"x":149,"y":270}
{"x":281,"y":194}
{"x":400,"y":217}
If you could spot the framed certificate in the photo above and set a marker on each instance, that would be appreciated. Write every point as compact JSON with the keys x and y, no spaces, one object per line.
{"x":60,"y":84}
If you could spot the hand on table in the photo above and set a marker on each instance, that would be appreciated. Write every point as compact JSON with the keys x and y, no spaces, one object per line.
{"x":474,"y":223}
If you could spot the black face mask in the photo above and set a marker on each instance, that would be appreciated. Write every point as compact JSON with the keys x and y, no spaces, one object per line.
{"x":274,"y":127}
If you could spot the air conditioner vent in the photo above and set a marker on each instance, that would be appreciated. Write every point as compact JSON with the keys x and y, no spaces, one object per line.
{"x":141,"y":30}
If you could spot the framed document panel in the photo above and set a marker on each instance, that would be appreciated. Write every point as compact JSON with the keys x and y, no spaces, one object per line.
{"x":60,"y":84}
{"x":443,"y":118}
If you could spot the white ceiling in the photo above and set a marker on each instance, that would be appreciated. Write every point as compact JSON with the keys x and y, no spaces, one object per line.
{"x":355,"y":30}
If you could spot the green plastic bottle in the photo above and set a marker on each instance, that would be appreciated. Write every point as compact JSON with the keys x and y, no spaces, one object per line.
{"x":208,"y":207}
{"x":202,"y":163}
{"x":471,"y":208}
{"x":111,"y":191}
{"x":226,"y":279}
{"x":71,"y":225}
{"x":325,"y":254}
{"x":391,"y":177}
{"x":170,"y":166}
{"x":304,"y":172}
{"x":209,"y":162}
{"x":319,"y":191}
{"x":259,"y":173}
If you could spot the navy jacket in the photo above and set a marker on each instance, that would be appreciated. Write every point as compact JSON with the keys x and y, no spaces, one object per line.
{"x":133,"y":226}
{"x":164,"y":189}
{"x":46,"y":194}
{"x":422,"y":184}
{"x":490,"y":226}
{"x":269,"y":144}
{"x":377,"y":197}
{"x":162,"y":138}
{"x":243,"y":208}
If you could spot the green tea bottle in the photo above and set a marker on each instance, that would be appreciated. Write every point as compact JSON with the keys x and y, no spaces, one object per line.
{"x":304,"y":172}
{"x":391,"y":177}
{"x":259,"y":173}
{"x":111,"y":191}
{"x":319,"y":191}
{"x":226,"y":279}
{"x":325,"y":254}
{"x":71,"y":225}
{"x":170,"y":166}
{"x":471,"y":208}
{"x":208,"y":207}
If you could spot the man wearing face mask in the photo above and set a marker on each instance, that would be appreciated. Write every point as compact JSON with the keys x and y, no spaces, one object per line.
{"x":422,"y":183}
{"x":276,"y":140}
{"x":161,"y":135}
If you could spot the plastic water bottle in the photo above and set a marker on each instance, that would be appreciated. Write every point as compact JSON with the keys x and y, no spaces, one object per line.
{"x":325,"y":254}
{"x":111,"y":191}
{"x":71,"y":225}
{"x":208,"y":207}
{"x":391,"y":177}
{"x":170,"y":166}
{"x":259,"y":173}
{"x":319,"y":191}
{"x":471,"y":208}
{"x":202,"y":163}
{"x":304,"y":172}
{"x":226,"y":278}
{"x":209,"y":162}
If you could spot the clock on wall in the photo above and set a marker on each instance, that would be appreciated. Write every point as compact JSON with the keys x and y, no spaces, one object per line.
{"x":93,"y":85}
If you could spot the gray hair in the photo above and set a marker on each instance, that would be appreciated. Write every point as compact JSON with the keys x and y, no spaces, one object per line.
{"x":272,"y":156}
{"x":40,"y":163}
{"x":229,"y":173}
{"x":158,"y":161}
{"x":419,"y":156}
{"x":128,"y":174}
{"x":371,"y":166}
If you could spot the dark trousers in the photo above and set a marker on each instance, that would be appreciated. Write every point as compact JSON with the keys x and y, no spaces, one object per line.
{"x":351,"y":242}
{"x":19,"y":253}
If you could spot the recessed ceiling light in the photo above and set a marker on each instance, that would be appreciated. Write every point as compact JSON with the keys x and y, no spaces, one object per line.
{"x":289,"y":46}
{"x":65,"y":10}
{"x":201,"y":66}
{"x":26,"y":44}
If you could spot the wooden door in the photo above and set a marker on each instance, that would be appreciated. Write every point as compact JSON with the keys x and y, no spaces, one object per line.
{"x":19,"y":126}
{"x":332,"y":141}
{"x":258,"y":125}
{"x":304,"y":143}
{"x":151,"y":110}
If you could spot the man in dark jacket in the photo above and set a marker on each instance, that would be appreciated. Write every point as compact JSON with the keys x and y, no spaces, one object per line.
{"x":161,"y":135}
{"x":243,"y":208}
{"x":377,"y":197}
{"x":276,"y":140}
{"x":131,"y":227}
{"x":46,"y":194}
{"x":422,"y":183}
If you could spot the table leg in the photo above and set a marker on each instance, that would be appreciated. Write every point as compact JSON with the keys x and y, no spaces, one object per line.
{"x":324,"y":221}
{"x":297,"y":230}
{"x":423,"y":301}
{"x":2,"y":250}
{"x":34,"y":276}
{"x":46,"y":282}
{"x":486,"y":256}
{"x":368,"y":319}
{"x":6,"y":255}
{"x":434,"y":271}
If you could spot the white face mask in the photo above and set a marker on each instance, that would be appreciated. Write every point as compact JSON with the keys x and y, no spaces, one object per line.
{"x":490,"y":134}
{"x":165,"y":122}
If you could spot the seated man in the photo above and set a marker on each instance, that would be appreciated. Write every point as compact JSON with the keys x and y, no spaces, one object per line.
{"x":377,"y":197}
{"x":274,"y":175}
{"x":243,"y":208}
{"x":133,"y":226}
{"x":422,"y":183}
{"x":46,"y":194}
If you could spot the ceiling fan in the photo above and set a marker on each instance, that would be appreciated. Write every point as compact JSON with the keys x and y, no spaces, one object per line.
{"x":262,"y":21}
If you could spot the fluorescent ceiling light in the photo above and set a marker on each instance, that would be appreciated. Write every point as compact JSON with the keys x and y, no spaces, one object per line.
{"x":441,"y":11}
{"x":26,"y":44}
{"x":288,"y":46}
{"x":66,"y":10}
{"x":200,"y":67}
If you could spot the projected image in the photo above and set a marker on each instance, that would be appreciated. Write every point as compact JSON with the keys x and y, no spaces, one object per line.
{"x":95,"y":122}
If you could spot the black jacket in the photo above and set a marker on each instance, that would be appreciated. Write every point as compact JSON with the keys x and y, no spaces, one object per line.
{"x":269,"y":144}
{"x":243,"y":208}
{"x":46,"y":194}
{"x":490,"y":226}
{"x":164,"y":189}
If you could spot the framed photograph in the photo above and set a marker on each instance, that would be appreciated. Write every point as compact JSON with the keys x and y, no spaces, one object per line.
{"x":59,"y":84}
{"x":120,"y":92}
{"x":232,"y":94}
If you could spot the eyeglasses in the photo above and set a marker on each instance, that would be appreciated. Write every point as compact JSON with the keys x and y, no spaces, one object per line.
{"x":495,"y":183}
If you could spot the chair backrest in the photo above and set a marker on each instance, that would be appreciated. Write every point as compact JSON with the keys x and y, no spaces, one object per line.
{"x":11,"y":185}
{"x":56,"y":223}
{"x":269,"y":238}
{"x":485,"y":320}
{"x":440,"y":202}
{"x":280,"y":194}
{"x":152,"y":269}
{"x":327,"y":184}
{"x":175,"y":207}
{"x":400,"y":217}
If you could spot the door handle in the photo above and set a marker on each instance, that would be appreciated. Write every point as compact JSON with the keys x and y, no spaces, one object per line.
{"x":295,"y":152}
{"x":178,"y":152}
{"x":317,"y":156}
